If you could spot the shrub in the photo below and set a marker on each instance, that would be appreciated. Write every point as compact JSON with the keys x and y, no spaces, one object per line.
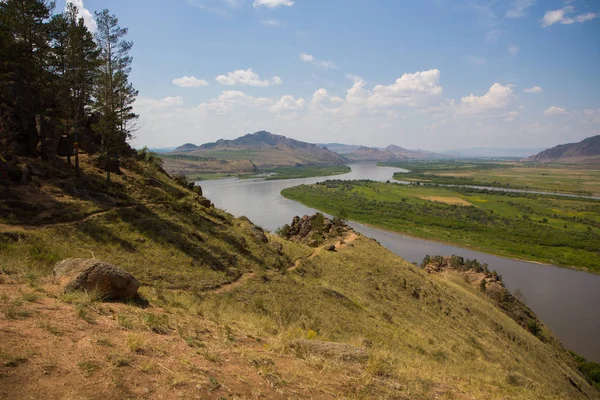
{"x":283,"y":231}
{"x":534,"y":327}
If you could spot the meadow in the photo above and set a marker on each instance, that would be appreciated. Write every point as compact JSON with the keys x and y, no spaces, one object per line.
{"x":559,"y":178}
{"x":543,"y":228}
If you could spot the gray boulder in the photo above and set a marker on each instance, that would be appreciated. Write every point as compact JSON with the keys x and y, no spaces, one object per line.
{"x":112,"y":282}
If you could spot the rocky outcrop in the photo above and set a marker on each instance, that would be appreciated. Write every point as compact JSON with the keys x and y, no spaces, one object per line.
{"x":313,"y":230}
{"x":112,"y":282}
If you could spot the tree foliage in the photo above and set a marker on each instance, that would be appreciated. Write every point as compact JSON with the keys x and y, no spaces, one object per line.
{"x":57,"y":79}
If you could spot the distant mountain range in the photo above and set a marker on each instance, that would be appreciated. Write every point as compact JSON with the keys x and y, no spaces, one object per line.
{"x":265,"y":150}
{"x":364,"y":153}
{"x":486,"y":152}
{"x":586,"y":151}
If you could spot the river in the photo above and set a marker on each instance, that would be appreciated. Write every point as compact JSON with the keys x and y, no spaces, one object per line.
{"x":566,"y":300}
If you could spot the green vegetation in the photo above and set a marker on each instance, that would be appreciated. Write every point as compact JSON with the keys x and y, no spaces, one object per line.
{"x":590,"y":369}
{"x":304,"y":171}
{"x":559,"y":178}
{"x":549,"y":229}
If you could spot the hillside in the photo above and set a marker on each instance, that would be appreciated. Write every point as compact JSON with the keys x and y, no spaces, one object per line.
{"x":364,"y":153}
{"x":586,"y":151}
{"x":411,"y":154}
{"x":230,"y":311}
{"x":256,"y":151}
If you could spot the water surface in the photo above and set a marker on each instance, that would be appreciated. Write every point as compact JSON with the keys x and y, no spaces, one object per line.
{"x":566,"y":300}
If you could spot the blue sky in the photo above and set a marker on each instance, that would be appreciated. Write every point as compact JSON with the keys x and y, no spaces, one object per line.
{"x":431,"y":74}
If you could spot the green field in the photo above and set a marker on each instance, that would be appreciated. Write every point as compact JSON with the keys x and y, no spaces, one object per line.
{"x":301,"y":172}
{"x":560,"y":178}
{"x":543,"y":228}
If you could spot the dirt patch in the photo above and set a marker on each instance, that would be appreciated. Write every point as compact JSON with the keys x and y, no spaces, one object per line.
{"x":447,"y":200}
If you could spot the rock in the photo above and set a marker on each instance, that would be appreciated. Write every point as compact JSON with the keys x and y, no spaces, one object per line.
{"x":278,"y":247}
{"x":111,"y":281}
{"x":330,"y":248}
{"x":197,"y":189}
{"x":339,"y":351}
{"x":258,"y":234}
{"x":204,"y":202}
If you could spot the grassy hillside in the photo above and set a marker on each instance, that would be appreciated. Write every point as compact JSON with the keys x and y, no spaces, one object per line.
{"x":236,"y":313}
{"x":550,"y":229}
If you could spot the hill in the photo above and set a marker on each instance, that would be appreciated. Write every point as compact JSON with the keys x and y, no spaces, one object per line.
{"x":491,"y":152}
{"x":586,"y":151}
{"x":364,"y":153}
{"x":340,"y":148}
{"x":231,"y":311}
{"x":256,"y":151}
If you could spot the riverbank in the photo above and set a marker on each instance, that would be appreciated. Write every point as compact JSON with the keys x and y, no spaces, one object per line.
{"x":541,"y":229}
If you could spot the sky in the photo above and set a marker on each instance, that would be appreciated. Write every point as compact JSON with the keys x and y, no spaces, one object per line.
{"x":428,"y":74}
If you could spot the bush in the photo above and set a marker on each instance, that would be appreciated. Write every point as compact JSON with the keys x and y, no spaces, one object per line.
{"x":341,"y":217}
{"x":283,"y":231}
{"x":534,"y":327}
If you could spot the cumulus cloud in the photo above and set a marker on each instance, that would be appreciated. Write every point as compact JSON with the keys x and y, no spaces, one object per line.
{"x":554,"y":110}
{"x":271,"y":22}
{"x":189,"y":82}
{"x":513,"y":50}
{"x":309,"y":58}
{"x":511,"y":116}
{"x":565,"y":16}
{"x":518,"y":8}
{"x":497,"y":97}
{"x":409,"y":89}
{"x":84,"y":13}
{"x":287,"y":103}
{"x":246,"y":78}
{"x":534,"y":89}
{"x":272,"y":3}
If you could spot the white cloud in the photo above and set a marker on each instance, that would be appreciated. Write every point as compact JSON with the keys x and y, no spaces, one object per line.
{"x":246,"y":77}
{"x":493,"y":35}
{"x":511,"y":116}
{"x":519,"y":8}
{"x":513,"y":50}
{"x":84,"y":13}
{"x":497,"y":97}
{"x":475,"y":60}
{"x":288,"y":103}
{"x":554,"y":110}
{"x":271,"y":22}
{"x":272,"y":3}
{"x":189,"y":82}
{"x":145,"y":102}
{"x":562,"y":16}
{"x":409,"y":90}
{"x":534,"y":89}
{"x":309,"y":58}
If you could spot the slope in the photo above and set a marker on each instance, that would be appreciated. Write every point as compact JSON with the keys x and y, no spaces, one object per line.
{"x":586,"y":151}
{"x":227,"y":316}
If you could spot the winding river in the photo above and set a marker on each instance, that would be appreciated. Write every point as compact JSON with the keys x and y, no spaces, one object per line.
{"x":568,"y":301}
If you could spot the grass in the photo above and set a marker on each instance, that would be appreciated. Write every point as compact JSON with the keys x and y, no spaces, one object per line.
{"x":449,"y":341}
{"x":548,"y":229}
{"x":300,"y":172}
{"x":559,"y":178}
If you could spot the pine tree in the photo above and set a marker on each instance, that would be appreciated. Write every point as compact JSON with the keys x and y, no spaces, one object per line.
{"x":26,"y":21}
{"x":76,"y":58}
{"x":114,"y":94}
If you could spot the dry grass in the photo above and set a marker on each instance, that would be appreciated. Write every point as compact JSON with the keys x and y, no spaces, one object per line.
{"x":426,"y":336}
{"x":447,"y":200}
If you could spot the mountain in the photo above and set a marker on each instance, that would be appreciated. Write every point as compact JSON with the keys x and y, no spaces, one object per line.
{"x":228,"y":310}
{"x":474,"y":152}
{"x":586,"y":151}
{"x":185,"y":147}
{"x":339,"y":147}
{"x":161,"y":149}
{"x":263,"y":150}
{"x":364,"y":153}
{"x":411,"y":154}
